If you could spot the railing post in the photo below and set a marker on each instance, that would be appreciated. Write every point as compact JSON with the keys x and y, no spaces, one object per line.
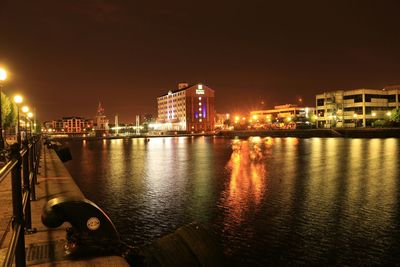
{"x":27,"y":187}
{"x":32,"y":158}
{"x":17,"y":204}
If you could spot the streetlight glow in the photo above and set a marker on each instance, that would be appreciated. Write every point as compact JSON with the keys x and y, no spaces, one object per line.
{"x":18,"y":99}
{"x":25,"y":109}
{"x":30,"y":115}
{"x":3,"y":74}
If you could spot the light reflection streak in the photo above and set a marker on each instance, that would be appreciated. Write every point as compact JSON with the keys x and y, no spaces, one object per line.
{"x":247,"y":179}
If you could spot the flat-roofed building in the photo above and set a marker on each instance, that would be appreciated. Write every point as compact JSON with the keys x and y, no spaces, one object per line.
{"x":356,"y":107}
{"x":69,"y":125}
{"x":283,"y":114}
{"x":189,"y":108}
{"x":75,"y":124}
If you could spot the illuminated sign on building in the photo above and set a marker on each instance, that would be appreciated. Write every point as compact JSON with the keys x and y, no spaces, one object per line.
{"x":200,"y":90}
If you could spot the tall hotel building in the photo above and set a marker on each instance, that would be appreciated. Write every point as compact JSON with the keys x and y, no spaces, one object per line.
{"x":356,"y":108}
{"x":189,"y":108}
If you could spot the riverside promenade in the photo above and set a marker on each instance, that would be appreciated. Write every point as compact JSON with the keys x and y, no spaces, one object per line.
{"x":45,"y":246}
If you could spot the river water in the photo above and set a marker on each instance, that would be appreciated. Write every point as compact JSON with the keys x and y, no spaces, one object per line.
{"x":271,"y":201}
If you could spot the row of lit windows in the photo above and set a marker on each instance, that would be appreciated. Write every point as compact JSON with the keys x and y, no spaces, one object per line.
{"x":172,"y":95}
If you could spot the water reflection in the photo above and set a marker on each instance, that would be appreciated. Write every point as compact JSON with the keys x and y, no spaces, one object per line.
{"x":247,"y":180}
{"x":273,"y":201}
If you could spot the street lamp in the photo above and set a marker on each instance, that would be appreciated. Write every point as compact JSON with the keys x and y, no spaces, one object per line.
{"x":3,"y":77}
{"x":30,"y":116}
{"x":18,"y":100}
{"x":25,"y":109}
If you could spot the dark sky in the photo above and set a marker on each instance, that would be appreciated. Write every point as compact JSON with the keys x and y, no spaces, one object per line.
{"x":67,"y":55}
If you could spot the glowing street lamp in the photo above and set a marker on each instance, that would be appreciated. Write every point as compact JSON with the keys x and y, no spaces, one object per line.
{"x":3,"y":74}
{"x":389,"y":114}
{"x":18,"y":100}
{"x":373,"y":114}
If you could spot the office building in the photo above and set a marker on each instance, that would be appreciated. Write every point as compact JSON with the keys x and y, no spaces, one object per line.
{"x":357,"y":107}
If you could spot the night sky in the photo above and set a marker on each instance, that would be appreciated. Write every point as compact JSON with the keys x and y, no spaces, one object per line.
{"x":67,"y":55}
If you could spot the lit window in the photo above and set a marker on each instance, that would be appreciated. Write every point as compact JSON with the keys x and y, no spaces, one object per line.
{"x":199,"y":109}
{"x":200,"y":87}
{"x":199,"y":103}
{"x":200,"y":120}
{"x":199,"y":97}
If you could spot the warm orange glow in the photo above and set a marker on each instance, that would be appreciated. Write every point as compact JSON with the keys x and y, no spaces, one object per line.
{"x":18,"y":99}
{"x":3,"y":74}
{"x":25,"y":109}
{"x":247,"y":178}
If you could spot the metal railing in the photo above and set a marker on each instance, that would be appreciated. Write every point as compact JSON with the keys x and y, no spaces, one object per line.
{"x":23,"y":183}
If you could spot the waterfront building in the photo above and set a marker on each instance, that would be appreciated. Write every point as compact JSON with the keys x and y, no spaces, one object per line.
{"x":282,"y":116}
{"x":222,"y":120}
{"x":69,"y":125}
{"x":190,"y":108}
{"x":101,"y":127}
{"x":356,"y":107}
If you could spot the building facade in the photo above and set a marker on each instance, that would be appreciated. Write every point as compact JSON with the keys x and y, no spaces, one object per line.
{"x":69,"y":125}
{"x":283,"y":115}
{"x":189,"y":109}
{"x":356,"y":108}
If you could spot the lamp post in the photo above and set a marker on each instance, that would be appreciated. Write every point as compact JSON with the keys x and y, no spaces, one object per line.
{"x":3,"y":77}
{"x":30,"y":115}
{"x":25,"y":110}
{"x":18,"y":100}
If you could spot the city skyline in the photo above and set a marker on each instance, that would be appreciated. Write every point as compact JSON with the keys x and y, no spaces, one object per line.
{"x":66,"y":57}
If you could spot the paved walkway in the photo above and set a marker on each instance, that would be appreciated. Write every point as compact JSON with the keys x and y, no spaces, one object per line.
{"x":44,"y":245}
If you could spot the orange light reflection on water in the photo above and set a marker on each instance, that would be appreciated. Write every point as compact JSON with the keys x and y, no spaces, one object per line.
{"x":247,"y":178}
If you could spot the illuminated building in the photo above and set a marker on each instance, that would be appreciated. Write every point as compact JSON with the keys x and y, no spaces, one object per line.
{"x":69,"y":125}
{"x":189,"y":108}
{"x":283,"y":114}
{"x":222,"y":120}
{"x":356,"y":108}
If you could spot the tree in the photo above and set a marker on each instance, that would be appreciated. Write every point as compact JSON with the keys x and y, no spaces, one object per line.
{"x":395,"y":116}
{"x":8,"y":111}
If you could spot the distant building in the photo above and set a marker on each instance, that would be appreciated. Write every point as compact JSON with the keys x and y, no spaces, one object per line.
{"x":101,"y":127}
{"x":288,"y":113}
{"x":357,"y":107}
{"x":189,"y":108}
{"x":222,"y":120}
{"x":69,"y":125}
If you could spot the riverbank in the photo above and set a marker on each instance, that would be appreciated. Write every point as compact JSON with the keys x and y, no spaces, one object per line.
{"x":300,"y":133}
